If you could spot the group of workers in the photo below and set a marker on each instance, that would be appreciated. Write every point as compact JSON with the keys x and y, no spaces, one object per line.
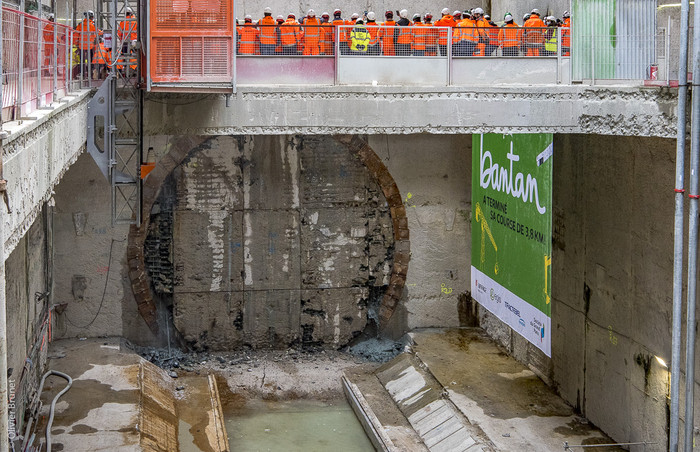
{"x":93,"y":57}
{"x":472,"y":32}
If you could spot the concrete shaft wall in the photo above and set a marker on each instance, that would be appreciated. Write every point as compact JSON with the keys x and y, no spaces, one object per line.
{"x":611,"y":284}
{"x":277,"y":240}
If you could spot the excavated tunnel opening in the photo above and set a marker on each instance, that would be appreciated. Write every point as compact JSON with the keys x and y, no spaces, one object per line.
{"x":272,"y":242}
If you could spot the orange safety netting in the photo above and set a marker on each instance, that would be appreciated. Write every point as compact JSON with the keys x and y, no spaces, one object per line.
{"x":191,"y":41}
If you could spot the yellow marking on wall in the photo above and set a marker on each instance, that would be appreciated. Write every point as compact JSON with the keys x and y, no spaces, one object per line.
{"x":547,"y":264}
{"x":481,"y":219}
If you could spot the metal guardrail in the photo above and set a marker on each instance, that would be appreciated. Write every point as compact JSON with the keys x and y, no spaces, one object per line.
{"x":36,"y":63}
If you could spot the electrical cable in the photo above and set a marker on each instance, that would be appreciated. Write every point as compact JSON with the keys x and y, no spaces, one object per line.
{"x":104,"y":290}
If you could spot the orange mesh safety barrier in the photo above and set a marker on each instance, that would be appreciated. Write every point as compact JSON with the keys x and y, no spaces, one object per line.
{"x":191,"y":41}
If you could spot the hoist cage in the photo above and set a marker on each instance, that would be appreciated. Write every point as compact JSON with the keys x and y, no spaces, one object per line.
{"x":190,"y":45}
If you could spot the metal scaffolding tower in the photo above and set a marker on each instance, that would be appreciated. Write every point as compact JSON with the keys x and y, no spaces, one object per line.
{"x":115,"y":125}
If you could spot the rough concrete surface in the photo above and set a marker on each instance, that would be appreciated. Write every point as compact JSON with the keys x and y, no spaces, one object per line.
{"x":433,"y":175}
{"x":276,"y":240}
{"x":453,"y":110}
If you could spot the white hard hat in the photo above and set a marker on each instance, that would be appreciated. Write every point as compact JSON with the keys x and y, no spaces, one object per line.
{"x":403,"y":13}
{"x":91,"y":13}
{"x":280,"y":17}
{"x":248,"y":16}
{"x":566,"y":14}
{"x":535,"y":11}
{"x":508,"y":17}
{"x":371,"y":16}
{"x":268,"y":10}
{"x":457,"y":13}
{"x":325,"y":14}
{"x":445,"y":11}
{"x":354,"y":16}
{"x":478,"y":11}
{"x":311,"y":13}
{"x":128,"y":10}
{"x":416,"y":17}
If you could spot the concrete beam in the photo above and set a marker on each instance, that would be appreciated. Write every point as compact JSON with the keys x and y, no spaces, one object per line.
{"x":36,"y":154}
{"x":578,"y":109}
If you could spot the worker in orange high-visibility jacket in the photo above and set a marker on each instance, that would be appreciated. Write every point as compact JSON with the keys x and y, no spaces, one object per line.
{"x":326,"y":44}
{"x":566,"y":34}
{"x":248,"y":37}
{"x":420,"y":33}
{"x":101,"y":60}
{"x":290,"y":35}
{"x":312,"y":34}
{"x":465,"y":37}
{"x":48,"y":43}
{"x":478,"y":18}
{"x":387,"y":34}
{"x":492,"y":35}
{"x":404,"y":34}
{"x":341,"y":32}
{"x":510,"y":36}
{"x":268,"y":33}
{"x":447,"y":20}
{"x":126,"y":30}
{"x":374,"y":46}
{"x":86,"y":39}
{"x":431,"y":35}
{"x":533,"y":35}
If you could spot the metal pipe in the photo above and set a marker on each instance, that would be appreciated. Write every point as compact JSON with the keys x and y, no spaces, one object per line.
{"x":692,"y":239}
{"x":678,"y":231}
{"x":49,"y":424}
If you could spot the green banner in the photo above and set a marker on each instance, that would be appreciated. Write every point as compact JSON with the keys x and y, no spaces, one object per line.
{"x":512,"y":231}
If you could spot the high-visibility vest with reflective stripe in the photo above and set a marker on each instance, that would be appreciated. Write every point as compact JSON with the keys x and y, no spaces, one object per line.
{"x":289,"y":32}
{"x":550,"y":45}
{"x":86,"y":35}
{"x":312,"y":29}
{"x":465,"y":31}
{"x":249,"y":36}
{"x":327,"y":38}
{"x":566,"y":33}
{"x":405,"y":34}
{"x":510,"y":35}
{"x":532,"y":35}
{"x":268,"y":30}
{"x":444,"y":21}
{"x":101,"y":56}
{"x":359,"y":38}
{"x":373,"y":29}
{"x":386,"y":34}
{"x":431,"y":35}
{"x":127,"y":30}
{"x":419,"y":34}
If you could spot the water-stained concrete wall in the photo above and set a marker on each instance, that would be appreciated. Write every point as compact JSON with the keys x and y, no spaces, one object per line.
{"x":277,"y":240}
{"x":612,"y":268}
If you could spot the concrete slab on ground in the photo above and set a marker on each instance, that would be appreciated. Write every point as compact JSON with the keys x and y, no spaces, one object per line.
{"x":509,"y":403}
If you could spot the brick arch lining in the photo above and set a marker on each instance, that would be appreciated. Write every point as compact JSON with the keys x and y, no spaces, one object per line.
{"x":180,"y":147}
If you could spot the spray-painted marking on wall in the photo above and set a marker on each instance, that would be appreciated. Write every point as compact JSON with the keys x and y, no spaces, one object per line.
{"x":444,"y":289}
{"x":612,"y":337}
{"x":408,"y":201}
{"x":102,"y":270}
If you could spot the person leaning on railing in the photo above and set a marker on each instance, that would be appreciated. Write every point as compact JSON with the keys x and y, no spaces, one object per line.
{"x":510,"y":36}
